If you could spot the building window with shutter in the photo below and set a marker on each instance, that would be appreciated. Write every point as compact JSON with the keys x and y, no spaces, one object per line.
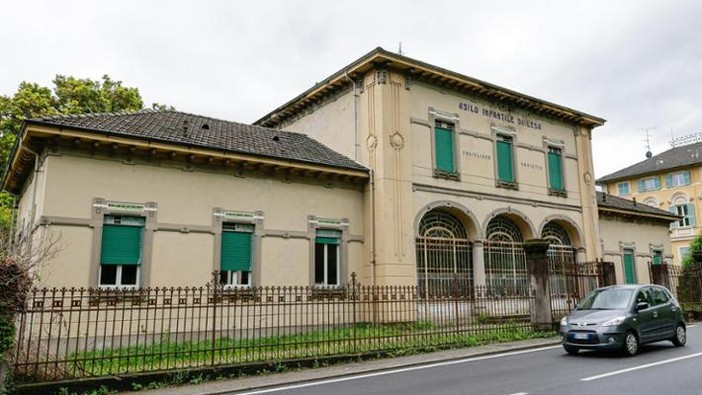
{"x":677,"y":179}
{"x":623,"y":188}
{"x":327,"y":257}
{"x":121,"y":251}
{"x":444,"y":150}
{"x":236,"y":255}
{"x":504,"y":152}
{"x":657,"y":257}
{"x":556,"y":186}
{"x":649,"y":184}
{"x":687,"y":211}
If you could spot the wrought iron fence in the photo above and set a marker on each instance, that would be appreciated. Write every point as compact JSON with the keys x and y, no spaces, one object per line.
{"x":443,"y":263}
{"x":684,"y":282}
{"x":571,"y":281}
{"x":69,"y":334}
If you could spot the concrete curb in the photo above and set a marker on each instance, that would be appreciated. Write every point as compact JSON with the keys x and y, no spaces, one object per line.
{"x":253,"y":383}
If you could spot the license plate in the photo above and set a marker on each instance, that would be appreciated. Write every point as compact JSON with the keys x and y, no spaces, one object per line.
{"x":581,"y":336}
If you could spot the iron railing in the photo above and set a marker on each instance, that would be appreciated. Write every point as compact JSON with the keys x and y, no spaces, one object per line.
{"x":571,"y":281}
{"x":70,"y":334}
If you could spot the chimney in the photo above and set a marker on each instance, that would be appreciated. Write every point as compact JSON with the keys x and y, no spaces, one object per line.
{"x":634,"y":199}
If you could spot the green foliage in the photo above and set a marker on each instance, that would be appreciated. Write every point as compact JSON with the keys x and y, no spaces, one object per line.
{"x":695,"y":246}
{"x":69,"y":95}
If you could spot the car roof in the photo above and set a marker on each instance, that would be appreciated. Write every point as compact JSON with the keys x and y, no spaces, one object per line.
{"x":630,"y":286}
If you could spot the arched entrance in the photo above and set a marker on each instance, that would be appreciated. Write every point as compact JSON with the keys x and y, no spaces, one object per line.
{"x":505,"y":260}
{"x":561,"y":258}
{"x":444,"y":262}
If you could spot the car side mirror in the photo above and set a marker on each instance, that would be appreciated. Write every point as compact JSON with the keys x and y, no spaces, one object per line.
{"x":641,"y":306}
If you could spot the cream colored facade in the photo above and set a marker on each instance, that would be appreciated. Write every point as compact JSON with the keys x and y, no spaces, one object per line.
{"x":184,"y":203}
{"x":623,"y":234}
{"x":668,"y":198}
{"x":386,"y":118}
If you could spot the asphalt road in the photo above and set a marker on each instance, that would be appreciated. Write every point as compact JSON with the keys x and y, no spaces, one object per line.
{"x":660,"y":368}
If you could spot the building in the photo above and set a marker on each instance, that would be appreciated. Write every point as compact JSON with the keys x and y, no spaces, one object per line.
{"x":463,"y":171}
{"x":412,"y":175}
{"x":633,"y":235}
{"x":671,"y":181}
{"x":166,"y":198}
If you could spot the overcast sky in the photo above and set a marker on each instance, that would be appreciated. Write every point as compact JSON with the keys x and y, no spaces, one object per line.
{"x":636,"y":63}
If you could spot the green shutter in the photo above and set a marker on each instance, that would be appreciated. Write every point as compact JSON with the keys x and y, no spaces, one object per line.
{"x":121,"y":245}
{"x":656,"y":183}
{"x":691,"y":213}
{"x":504,"y":161}
{"x":657,"y":258}
{"x":629,"y":277}
{"x":328,"y":236}
{"x":443,"y":144}
{"x":669,"y":180}
{"x":686,"y":177}
{"x":674,"y":211}
{"x":640,"y":186}
{"x":236,"y":251}
{"x":555,"y":173}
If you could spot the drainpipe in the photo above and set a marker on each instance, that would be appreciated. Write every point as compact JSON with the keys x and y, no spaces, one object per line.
{"x":355,"y":115}
{"x":33,"y":214}
{"x":372,"y":227}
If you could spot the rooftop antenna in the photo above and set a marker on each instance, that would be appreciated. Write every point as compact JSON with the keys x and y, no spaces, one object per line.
{"x":647,"y":140}
{"x":399,"y":51}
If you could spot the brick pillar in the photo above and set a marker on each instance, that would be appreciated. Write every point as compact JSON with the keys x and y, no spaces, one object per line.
{"x":537,"y":268}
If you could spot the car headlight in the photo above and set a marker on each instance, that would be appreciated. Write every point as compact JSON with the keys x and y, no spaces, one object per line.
{"x":564,"y":321}
{"x":614,"y":321}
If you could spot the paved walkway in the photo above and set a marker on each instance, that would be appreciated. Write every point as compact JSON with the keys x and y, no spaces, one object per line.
{"x":259,"y":382}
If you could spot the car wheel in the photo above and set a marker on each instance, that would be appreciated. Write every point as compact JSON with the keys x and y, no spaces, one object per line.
{"x":631,"y":344}
{"x":680,"y":337}
{"x":571,"y":350}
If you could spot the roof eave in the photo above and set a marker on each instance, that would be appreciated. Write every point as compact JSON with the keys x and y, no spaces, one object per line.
{"x":380,"y":56}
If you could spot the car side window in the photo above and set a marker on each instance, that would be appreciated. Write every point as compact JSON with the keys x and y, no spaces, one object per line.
{"x":642,"y":297}
{"x":659,"y":297}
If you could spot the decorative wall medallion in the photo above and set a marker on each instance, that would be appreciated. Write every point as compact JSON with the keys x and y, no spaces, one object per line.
{"x":588,"y":178}
{"x":372,"y":142}
{"x":397,"y":141}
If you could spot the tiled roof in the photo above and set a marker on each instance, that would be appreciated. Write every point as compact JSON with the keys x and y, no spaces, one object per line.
{"x":607,"y":201}
{"x":677,"y":157}
{"x":181,"y":128}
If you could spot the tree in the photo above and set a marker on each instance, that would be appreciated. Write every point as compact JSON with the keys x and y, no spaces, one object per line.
{"x":70,"y":95}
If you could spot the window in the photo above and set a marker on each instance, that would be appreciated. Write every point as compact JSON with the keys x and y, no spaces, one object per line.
{"x":684,"y":252}
{"x":444,"y":147}
{"x":623,"y":188}
{"x":327,"y":257}
{"x":687,"y":211}
{"x":677,"y":179}
{"x":657,"y":257}
{"x":235,"y":262}
{"x":555,"y":170}
{"x":505,"y":160}
{"x":649,"y":184}
{"x":121,"y":251}
{"x":629,"y":271}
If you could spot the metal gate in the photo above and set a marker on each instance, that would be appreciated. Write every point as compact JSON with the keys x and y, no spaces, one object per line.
{"x":443,"y":265}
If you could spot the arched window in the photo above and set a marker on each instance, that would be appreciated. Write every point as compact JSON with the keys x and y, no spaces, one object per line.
{"x":505,"y":261}
{"x":555,"y":234}
{"x":680,"y":205}
{"x":651,"y":201}
{"x":444,"y":259}
{"x":502,"y":229}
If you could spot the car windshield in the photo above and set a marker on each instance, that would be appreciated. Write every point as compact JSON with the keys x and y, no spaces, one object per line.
{"x":606,"y":299}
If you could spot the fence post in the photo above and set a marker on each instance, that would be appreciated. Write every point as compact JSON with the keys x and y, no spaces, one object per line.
{"x":537,"y":268}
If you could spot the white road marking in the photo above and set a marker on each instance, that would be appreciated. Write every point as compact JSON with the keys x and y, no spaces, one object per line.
{"x":646,"y":366}
{"x":520,"y":393}
{"x":387,"y":372}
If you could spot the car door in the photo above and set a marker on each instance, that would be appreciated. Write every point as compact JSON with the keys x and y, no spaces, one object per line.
{"x":664,"y":313}
{"x":645,"y":318}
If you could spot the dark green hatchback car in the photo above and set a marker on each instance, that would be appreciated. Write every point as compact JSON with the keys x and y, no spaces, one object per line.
{"x":622,"y":317}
